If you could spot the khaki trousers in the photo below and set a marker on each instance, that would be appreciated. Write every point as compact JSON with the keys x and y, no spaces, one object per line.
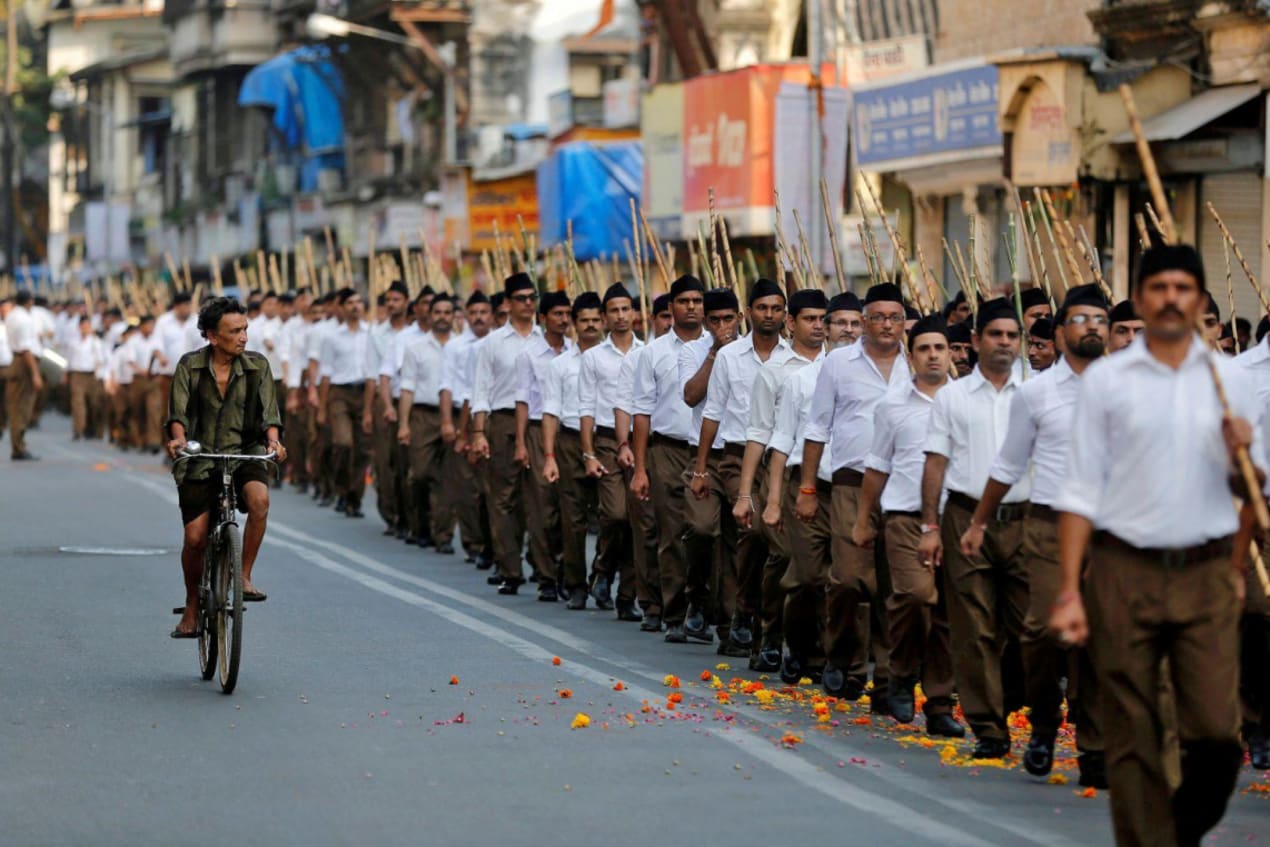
{"x":542,"y":510}
{"x":298,"y":435}
{"x":467,"y":497}
{"x":506,"y":482}
{"x":386,"y":460}
{"x":710,"y":542}
{"x":1045,"y":660}
{"x":577,"y":498}
{"x":1141,"y":611}
{"x":987,"y":603}
{"x":86,"y":395}
{"x":858,"y":577}
{"x":751,"y":544}
{"x":644,"y":552}
{"x":684,"y":582}
{"x":770,"y":598}
{"x":19,"y":400}
{"x":616,"y":521}
{"x":148,"y":404}
{"x":917,"y":612}
{"x":350,"y":447}
{"x":807,"y":574}
{"x":1254,"y":658}
{"x":428,"y":505}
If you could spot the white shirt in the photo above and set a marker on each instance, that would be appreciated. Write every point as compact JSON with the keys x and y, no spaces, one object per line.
{"x":600,"y":385}
{"x":171,"y":332}
{"x":85,"y":354}
{"x":657,"y":391}
{"x":691,"y":358}
{"x":625,"y":399}
{"x":264,"y":337}
{"x":121,"y":363}
{"x":295,"y":335}
{"x":382,"y":339}
{"x":393,"y":358}
{"x":766,"y":389}
{"x":1148,"y":461}
{"x":421,"y":367}
{"x":900,"y":426}
{"x":1040,"y":429}
{"x":114,"y":335}
{"x":146,"y":351}
{"x":6,"y":352}
{"x":346,"y":357}
{"x":561,"y":388}
{"x":731,"y":382}
{"x":24,"y":334}
{"x":793,"y":407}
{"x":455,"y":367}
{"x":494,"y":383}
{"x":531,"y":369}
{"x":1256,"y":361}
{"x":849,"y":388}
{"x":967,"y":426}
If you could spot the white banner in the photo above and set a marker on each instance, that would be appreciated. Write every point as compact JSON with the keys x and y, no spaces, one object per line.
{"x":792,"y":150}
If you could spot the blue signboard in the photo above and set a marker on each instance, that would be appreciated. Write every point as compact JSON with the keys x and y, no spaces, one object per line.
{"x":940,"y":113}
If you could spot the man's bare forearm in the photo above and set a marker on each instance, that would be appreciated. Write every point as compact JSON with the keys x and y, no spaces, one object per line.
{"x":812,"y":453}
{"x":932,"y":486}
{"x":1074,"y":533}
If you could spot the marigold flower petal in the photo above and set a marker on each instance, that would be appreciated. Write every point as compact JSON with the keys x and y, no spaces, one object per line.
{"x":580,"y":721}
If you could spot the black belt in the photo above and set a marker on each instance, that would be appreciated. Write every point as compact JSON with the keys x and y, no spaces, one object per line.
{"x":670,"y":442}
{"x":570,"y":430}
{"x":606,"y":432}
{"x":1169,"y":557}
{"x":428,"y":406}
{"x":849,"y":477}
{"x":796,"y":481}
{"x":504,"y":413}
{"x":1005,"y":513}
{"x":349,"y":385}
{"x":917,"y":516}
{"x":1041,"y":512}
{"x":734,"y":449}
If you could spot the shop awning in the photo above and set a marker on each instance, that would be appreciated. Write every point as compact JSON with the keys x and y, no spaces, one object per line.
{"x":1185,"y":118}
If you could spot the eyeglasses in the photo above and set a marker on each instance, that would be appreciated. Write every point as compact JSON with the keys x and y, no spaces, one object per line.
{"x":524,"y":298}
{"x":890,"y":319}
{"x":1081,"y":320}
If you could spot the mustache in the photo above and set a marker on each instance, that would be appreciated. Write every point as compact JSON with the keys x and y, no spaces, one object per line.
{"x":1170,"y":310}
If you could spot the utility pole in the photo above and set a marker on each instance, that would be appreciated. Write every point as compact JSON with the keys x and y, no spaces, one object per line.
{"x":10,"y":135}
{"x":815,"y":89}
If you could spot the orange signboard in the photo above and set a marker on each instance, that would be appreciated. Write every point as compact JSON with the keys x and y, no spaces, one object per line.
{"x":501,"y":200}
{"x":728,"y":141}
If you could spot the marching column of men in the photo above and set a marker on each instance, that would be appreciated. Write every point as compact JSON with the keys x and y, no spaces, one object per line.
{"x":844,"y":491}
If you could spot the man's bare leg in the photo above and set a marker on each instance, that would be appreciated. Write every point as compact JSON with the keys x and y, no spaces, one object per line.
{"x":256,"y":498}
{"x":192,"y":567}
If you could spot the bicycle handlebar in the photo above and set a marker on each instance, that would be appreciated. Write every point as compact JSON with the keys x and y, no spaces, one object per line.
{"x":267,"y":457}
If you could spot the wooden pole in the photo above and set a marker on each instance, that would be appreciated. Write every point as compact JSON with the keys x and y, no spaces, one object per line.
{"x":727,"y":253}
{"x":1049,"y":232}
{"x":816,"y":276}
{"x":1095,"y":262}
{"x":832,"y":223}
{"x":783,"y":250}
{"x":1239,"y":254}
{"x":1167,"y":230}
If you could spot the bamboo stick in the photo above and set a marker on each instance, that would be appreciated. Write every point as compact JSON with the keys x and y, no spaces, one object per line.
{"x":1167,"y":229}
{"x":785,"y":253}
{"x":816,"y":276}
{"x":1230,"y":294}
{"x":1049,"y":232}
{"x":1144,"y":237}
{"x":1239,"y":254}
{"x":832,"y":224}
{"x":898,"y":243}
{"x":1095,"y":262}
{"x":727,"y":253}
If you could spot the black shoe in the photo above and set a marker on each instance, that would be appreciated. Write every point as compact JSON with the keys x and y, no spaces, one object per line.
{"x":694,"y":626}
{"x":990,"y":748}
{"x":24,"y":456}
{"x":791,"y":669}
{"x":944,"y":725}
{"x":494,"y":579}
{"x":468,"y":558}
{"x":302,"y":488}
{"x":675,"y":634}
{"x":1093,"y":770}
{"x":1038,"y":759}
{"x":879,"y":705}
{"x":390,"y":530}
{"x":768,"y":660}
{"x":742,"y":635}
{"x":547,"y":594}
{"x":651,"y":623}
{"x":354,"y":512}
{"x":600,"y":592}
{"x":626,"y":611}
{"x":727,"y":647}
{"x":340,"y":504}
{"x":426,"y":541}
{"x":1258,"y":748}
{"x":402,"y":533}
{"x":509,"y":588}
{"x":838,"y":684}
{"x":411,"y":539}
{"x":903,"y":705}
{"x":445,"y":549}
{"x":577,"y":599}
{"x":484,"y":562}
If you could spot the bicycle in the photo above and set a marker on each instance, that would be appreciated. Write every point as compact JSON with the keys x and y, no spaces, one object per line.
{"x":220,"y":593}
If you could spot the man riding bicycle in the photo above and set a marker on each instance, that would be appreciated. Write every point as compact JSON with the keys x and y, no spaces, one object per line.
{"x":223,"y":397}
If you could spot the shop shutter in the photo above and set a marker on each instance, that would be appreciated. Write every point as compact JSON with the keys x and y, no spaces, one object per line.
{"x":1237,"y":198}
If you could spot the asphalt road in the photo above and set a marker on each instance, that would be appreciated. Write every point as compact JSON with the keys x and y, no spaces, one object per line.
{"x":346,"y":726}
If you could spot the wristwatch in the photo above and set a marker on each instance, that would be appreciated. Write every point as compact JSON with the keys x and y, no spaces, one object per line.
{"x":930,"y":527}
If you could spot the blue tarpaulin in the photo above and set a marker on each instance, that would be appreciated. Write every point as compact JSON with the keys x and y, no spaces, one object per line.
{"x":305,"y":92}
{"x":592,"y":185}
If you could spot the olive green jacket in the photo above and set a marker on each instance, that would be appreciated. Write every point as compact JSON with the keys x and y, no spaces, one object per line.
{"x":235,"y":423}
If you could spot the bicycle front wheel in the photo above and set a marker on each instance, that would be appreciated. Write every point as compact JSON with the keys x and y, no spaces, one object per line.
{"x":207,"y":642}
{"x":229,"y":607}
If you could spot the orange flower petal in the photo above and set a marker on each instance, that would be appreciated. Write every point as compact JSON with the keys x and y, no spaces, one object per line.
{"x":555,"y":660}
{"x":454,"y":680}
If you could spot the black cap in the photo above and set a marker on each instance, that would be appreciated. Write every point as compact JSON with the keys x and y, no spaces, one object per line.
{"x":845,"y":302}
{"x":807,"y":298}
{"x":1043,"y":329}
{"x":476,"y":298}
{"x":516,"y":282}
{"x":1031,"y":297}
{"x":959,"y":333}
{"x":911,"y":314}
{"x":764,"y":287}
{"x":1123,"y":311}
{"x":1081,"y":295}
{"x":993,"y":310}
{"x":685,"y":283}
{"x":1171,"y":257}
{"x":426,"y":291}
{"x":930,"y":323}
{"x":1263,"y":326}
{"x":1212,"y":308}
{"x":552,"y":300}
{"x":181,"y":297}
{"x":616,"y":291}
{"x":400,"y":288}
{"x":886,"y":292}
{"x":586,"y":300}
{"x":661,"y":304}
{"x":497,"y":299}
{"x":721,"y":299}
{"x":286,"y":297}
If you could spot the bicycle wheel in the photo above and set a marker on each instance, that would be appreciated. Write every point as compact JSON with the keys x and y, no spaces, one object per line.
{"x":229,"y":607}
{"x":207,"y":643}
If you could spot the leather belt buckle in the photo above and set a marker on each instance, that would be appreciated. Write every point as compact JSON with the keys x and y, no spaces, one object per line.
{"x":1175,"y":558}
